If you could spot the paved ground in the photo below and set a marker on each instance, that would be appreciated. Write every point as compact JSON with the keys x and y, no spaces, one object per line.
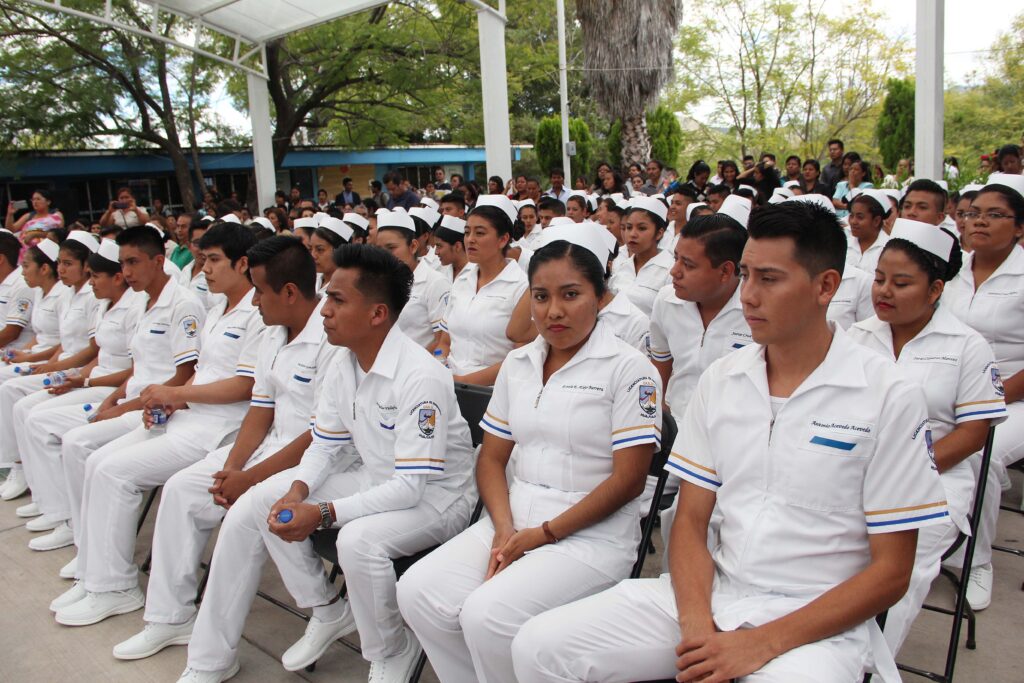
{"x":35,"y":649}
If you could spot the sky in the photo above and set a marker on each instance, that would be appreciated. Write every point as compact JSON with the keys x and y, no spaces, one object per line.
{"x":971,"y":28}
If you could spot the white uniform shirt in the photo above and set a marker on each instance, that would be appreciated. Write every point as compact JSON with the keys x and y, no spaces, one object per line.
{"x":172,"y":269}
{"x":628,"y":323}
{"x":229,"y":343}
{"x":476,"y":320}
{"x":852,"y":301}
{"x":996,"y":310}
{"x":530,"y":241}
{"x":846,"y":456}
{"x":611,"y":391}
{"x":403,"y":420}
{"x":868,"y":259}
{"x":669,"y":239}
{"x":113,"y":329}
{"x":643,"y":287}
{"x":16,"y":299}
{"x":46,"y":312}
{"x":198,"y":286}
{"x":955,"y":367}
{"x":678,"y":335}
{"x":290,"y":378}
{"x":167,"y":336}
{"x":77,"y":320}
{"x":422,"y":315}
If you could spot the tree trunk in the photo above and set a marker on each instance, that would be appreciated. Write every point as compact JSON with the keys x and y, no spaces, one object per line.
{"x":183,"y":175}
{"x":636,"y":143}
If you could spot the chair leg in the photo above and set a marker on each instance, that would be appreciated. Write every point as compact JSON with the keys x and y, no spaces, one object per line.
{"x":202,"y":585}
{"x":418,"y":671}
{"x":311,"y":668}
{"x":145,"y":509}
{"x":971,"y":626}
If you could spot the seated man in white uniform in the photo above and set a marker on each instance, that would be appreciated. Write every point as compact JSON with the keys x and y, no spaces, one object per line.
{"x":192,"y":276}
{"x":293,"y":358}
{"x":386,"y":396}
{"x":816,"y":451}
{"x":15,"y":296}
{"x":205,"y":411}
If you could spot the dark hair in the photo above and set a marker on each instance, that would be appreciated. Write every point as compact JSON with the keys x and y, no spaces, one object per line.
{"x":684,"y":189}
{"x":285,"y":260}
{"x":111,"y":231}
{"x":376,"y":185}
{"x":331,"y":237}
{"x":346,"y":179}
{"x":456,"y":197}
{"x":393,"y":177}
{"x":143,"y":238}
{"x":233,"y":239}
{"x":659,"y":222}
{"x":280,"y":193}
{"x":227,"y":206}
{"x":697,"y":168}
{"x":41,"y":259}
{"x":498,"y":219}
{"x":100,"y":264}
{"x":10,"y":248}
{"x":77,"y":250}
{"x":382,"y":277}
{"x":791,"y":157}
{"x":583,"y":260}
{"x":722,"y":236}
{"x":1004,"y":151}
{"x":933,"y":266}
{"x":556,"y":171}
{"x":449,"y":236}
{"x":819,"y":241}
{"x":718,"y":189}
{"x":729,"y":163}
{"x":1011,"y":197}
{"x":872,"y":205}
{"x":929,"y":186}
{"x":835,"y":141}
{"x":746,"y":191}
{"x":198,"y":224}
{"x":748,"y":156}
{"x":551,"y":204}
{"x":767,"y":155}
{"x":456,"y":175}
{"x":497,"y":179}
{"x":581,"y":200}
{"x":610,"y":205}
{"x":813,"y":162}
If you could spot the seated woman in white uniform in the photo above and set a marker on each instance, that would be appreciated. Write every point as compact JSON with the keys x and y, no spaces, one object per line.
{"x":473,"y":335}
{"x":987,"y":296}
{"x":449,"y":246}
{"x":329,"y":234}
{"x":569,"y":526}
{"x":866,"y":235}
{"x":76,"y":321}
{"x":421,"y":317}
{"x":955,"y":367}
{"x":646,"y":271}
{"x":42,"y":424}
{"x":50,"y":297}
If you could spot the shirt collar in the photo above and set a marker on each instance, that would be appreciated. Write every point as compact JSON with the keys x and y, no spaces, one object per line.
{"x":13,"y":277}
{"x":390,"y":351}
{"x":601,"y":344}
{"x":166,"y":294}
{"x":313,"y":332}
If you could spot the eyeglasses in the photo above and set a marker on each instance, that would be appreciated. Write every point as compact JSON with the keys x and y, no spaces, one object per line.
{"x":988,"y":216}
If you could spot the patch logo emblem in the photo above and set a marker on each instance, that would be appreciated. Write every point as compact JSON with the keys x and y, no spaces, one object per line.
{"x":23,"y":305}
{"x":648,"y":398}
{"x":191,"y":326}
{"x":931,"y":450}
{"x":997,"y":382}
{"x":427,"y":421}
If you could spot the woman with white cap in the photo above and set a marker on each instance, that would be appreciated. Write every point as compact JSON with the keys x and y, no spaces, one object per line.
{"x":647,"y":269}
{"x":866,"y":239}
{"x":987,"y":295}
{"x":421,"y":317}
{"x":77,"y":311}
{"x":448,"y":244}
{"x":953,"y":364}
{"x":360,"y":226}
{"x":569,"y":525}
{"x":329,"y":234}
{"x":42,"y":418}
{"x":473,"y":335}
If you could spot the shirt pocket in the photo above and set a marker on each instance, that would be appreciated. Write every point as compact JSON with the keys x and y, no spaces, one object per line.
{"x":826,"y":469}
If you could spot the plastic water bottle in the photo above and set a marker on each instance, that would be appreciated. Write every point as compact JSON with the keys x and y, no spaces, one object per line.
{"x":9,"y":353}
{"x":60,"y":377}
{"x":284,"y":516}
{"x":22,"y":370}
{"x":90,"y":411}
{"x":439,"y":357}
{"x":159,"y":419}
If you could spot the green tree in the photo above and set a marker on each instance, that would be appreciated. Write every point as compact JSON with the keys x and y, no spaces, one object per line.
{"x":548,"y":145}
{"x":895,"y":127}
{"x":666,"y":135}
{"x":583,"y":161}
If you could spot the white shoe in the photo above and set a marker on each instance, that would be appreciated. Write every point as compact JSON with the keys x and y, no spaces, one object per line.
{"x":153,"y":638}
{"x":979,"y":587}
{"x":95,"y":607}
{"x":26,"y":511}
{"x":318,"y":637}
{"x":60,"y":537}
{"x":44,"y":523}
{"x":69,"y":570}
{"x":15,"y":485}
{"x":191,"y":675}
{"x":397,"y":669}
{"x":68,"y":597}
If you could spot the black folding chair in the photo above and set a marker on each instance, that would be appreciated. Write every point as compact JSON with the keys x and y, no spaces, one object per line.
{"x":1019,"y":466}
{"x":657,"y":469}
{"x":142,"y":520}
{"x":961,"y":608}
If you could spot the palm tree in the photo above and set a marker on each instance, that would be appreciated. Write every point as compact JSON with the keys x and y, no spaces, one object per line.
{"x":627,"y":57}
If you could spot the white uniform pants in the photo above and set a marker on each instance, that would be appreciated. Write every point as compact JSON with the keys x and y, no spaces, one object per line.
{"x":116,"y":476}
{"x":42,"y":423}
{"x":366,"y":547}
{"x":467,"y":625}
{"x":630,"y":632}
{"x":11,"y":392}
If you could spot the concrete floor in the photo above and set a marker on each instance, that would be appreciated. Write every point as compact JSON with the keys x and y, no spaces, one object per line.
{"x":35,"y":649}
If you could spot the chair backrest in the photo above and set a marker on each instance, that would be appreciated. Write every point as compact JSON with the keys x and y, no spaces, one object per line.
{"x":668,"y":438}
{"x":473,"y":402}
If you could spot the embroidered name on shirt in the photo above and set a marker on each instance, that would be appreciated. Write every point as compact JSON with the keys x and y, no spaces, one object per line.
{"x":842,"y":426}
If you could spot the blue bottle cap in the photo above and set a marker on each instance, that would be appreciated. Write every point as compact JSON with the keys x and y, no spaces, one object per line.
{"x":87,"y":407}
{"x":284,"y":516}
{"x":47,"y":382}
{"x":438,"y":352}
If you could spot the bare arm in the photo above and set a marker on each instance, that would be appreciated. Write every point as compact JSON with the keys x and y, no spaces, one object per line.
{"x":520,"y":327}
{"x":690,"y":565}
{"x":483,"y":378}
{"x":1014,"y":388}
{"x":9,"y":334}
{"x":968,"y":438}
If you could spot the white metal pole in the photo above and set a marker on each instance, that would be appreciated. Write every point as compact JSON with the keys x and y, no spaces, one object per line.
{"x":928,"y":103}
{"x":262,"y":140}
{"x":563,"y":92}
{"x":494,"y":91}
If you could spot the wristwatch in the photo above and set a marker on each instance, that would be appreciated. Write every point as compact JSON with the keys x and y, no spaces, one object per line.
{"x":326,"y":521}
{"x":85,"y":383}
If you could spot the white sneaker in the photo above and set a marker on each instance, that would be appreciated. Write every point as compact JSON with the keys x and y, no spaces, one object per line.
{"x":397,"y":669}
{"x":979,"y":587}
{"x":44,"y":523}
{"x":69,"y":570}
{"x":61,"y":537}
{"x":68,"y":597}
{"x":95,"y":607}
{"x":191,"y":675}
{"x":15,"y":485}
{"x":26,"y":511}
{"x":153,"y":638}
{"x":318,"y":637}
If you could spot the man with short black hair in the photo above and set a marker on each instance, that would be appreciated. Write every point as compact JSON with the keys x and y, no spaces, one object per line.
{"x":347,"y":194}
{"x":924,"y":201}
{"x":748,"y":162}
{"x":16,"y":297}
{"x":181,"y":256}
{"x":439,"y":182}
{"x":716,"y":194}
{"x":453,"y":204}
{"x":457,"y":181}
{"x":793,"y":167}
{"x":398,"y":194}
{"x":654,"y":170}
{"x":833,"y":172}
{"x":549,"y":208}
{"x":558,"y":190}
